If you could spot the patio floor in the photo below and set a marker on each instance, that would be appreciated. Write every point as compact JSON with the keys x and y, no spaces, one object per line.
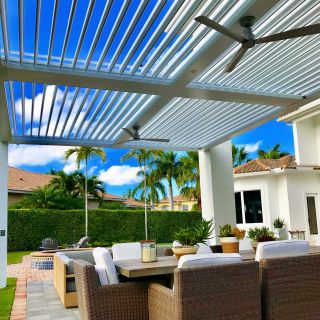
{"x":35,"y":296}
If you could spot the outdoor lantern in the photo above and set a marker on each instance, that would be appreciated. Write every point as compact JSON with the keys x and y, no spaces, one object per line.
{"x":148,"y":251}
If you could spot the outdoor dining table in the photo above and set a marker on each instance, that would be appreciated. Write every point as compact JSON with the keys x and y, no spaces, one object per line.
{"x":163,"y":266}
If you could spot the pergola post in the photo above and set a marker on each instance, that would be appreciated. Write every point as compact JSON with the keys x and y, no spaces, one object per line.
{"x":217,"y":191}
{"x":3,"y":212}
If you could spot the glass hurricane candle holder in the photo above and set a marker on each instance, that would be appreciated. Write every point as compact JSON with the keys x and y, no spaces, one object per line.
{"x":148,"y":251}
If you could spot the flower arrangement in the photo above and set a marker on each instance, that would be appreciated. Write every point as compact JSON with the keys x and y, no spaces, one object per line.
{"x":261,"y":234}
{"x":278,"y":223}
{"x":227,"y":230}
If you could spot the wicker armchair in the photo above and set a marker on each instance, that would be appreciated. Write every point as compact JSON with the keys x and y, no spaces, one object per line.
{"x":291,"y":287}
{"x":215,"y":292}
{"x":125,"y":301}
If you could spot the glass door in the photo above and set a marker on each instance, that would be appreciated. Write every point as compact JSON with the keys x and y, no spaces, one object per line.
{"x":312,"y":217}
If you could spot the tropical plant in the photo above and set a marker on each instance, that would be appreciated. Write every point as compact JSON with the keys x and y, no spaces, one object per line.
{"x":278,"y":223}
{"x":143,"y":157}
{"x":239,"y":155}
{"x":200,"y":233}
{"x":74,"y":184}
{"x":272,"y":153}
{"x":261,"y":234}
{"x":48,"y":197}
{"x":154,"y":188}
{"x":166,"y":165}
{"x":189,"y":177}
{"x":129,"y":194}
{"x":84,"y":154}
{"x":110,"y":205}
{"x":227,"y":230}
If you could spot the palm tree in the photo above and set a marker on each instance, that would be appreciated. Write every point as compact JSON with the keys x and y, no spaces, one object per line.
{"x":143,"y":157}
{"x":84,"y":154}
{"x":129,"y":194}
{"x":155,"y":187}
{"x":272,"y":153}
{"x":189,"y":177}
{"x":166,"y":166}
{"x":239,"y":155}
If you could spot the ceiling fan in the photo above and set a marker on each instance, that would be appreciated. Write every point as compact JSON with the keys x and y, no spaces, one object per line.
{"x":136,"y":136}
{"x":248,"y":40}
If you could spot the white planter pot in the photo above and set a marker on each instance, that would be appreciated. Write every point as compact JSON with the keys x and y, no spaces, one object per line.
{"x":228,"y":239}
{"x":279,"y":233}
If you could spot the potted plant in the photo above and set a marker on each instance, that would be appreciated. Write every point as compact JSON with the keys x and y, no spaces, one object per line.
{"x":262,"y":234}
{"x":188,"y":238}
{"x":278,"y":224}
{"x":229,"y":237}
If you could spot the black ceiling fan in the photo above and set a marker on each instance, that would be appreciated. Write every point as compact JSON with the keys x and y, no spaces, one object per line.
{"x":136,"y":136}
{"x":248,"y":40}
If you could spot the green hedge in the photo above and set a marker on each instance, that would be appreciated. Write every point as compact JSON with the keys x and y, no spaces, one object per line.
{"x":26,"y":228}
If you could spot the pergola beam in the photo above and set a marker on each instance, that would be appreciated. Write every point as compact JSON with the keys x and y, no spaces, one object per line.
{"x":5,"y":131}
{"x":94,"y":80}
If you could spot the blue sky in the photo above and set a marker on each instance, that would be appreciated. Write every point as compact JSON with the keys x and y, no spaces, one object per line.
{"x":121,"y":176}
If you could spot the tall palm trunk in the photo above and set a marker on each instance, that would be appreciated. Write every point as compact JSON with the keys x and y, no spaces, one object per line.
{"x":86,"y":196}
{"x":145,"y":201}
{"x":170,"y":194}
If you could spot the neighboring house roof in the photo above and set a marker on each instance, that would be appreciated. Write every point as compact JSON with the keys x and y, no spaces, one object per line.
{"x":176,"y":199}
{"x":26,"y":181}
{"x":23,"y":181}
{"x":260,"y":165}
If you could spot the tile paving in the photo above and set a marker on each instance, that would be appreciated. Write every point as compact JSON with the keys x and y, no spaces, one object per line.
{"x":35,"y":296}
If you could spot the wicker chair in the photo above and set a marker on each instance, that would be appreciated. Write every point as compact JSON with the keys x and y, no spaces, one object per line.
{"x":214,"y":292}
{"x":290,"y":287}
{"x":125,"y":301}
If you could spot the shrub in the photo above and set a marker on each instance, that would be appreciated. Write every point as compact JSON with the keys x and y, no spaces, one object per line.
{"x":27,"y":227}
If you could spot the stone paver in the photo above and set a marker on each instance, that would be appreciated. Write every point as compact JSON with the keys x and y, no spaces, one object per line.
{"x":35,"y":296}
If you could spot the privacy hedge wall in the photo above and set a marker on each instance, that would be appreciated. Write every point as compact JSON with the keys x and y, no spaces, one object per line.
{"x":26,"y":228}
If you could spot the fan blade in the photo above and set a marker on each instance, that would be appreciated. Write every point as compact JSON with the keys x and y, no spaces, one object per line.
{"x":154,"y":140}
{"x":218,"y":27}
{"x":131,"y":134}
{"x":294,"y":33}
{"x":235,"y":60}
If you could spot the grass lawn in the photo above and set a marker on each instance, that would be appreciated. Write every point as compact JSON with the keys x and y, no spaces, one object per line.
{"x":16,"y":256}
{"x":6,"y":300}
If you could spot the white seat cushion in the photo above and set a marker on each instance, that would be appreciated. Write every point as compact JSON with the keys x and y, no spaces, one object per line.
{"x":103,"y":278}
{"x":102,"y":258}
{"x":203,"y":248}
{"x":208,"y":259}
{"x":126,"y":251}
{"x":279,"y":249}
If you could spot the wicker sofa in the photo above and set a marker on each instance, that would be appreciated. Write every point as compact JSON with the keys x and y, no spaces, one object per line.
{"x":290,"y":288}
{"x":124,"y":301}
{"x":63,"y":274}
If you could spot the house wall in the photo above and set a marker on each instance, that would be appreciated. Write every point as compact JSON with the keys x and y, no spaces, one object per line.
{"x":178,"y":206}
{"x":14,"y":197}
{"x":284,"y":195}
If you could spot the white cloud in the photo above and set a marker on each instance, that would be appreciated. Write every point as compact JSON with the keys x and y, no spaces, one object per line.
{"x":92,"y":170}
{"x":35,"y":155}
{"x":71,"y":165}
{"x":120,"y":175}
{"x":252,"y":147}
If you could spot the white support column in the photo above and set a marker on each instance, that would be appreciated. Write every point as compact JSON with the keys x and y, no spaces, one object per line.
{"x":3,"y":212}
{"x":217,"y":191}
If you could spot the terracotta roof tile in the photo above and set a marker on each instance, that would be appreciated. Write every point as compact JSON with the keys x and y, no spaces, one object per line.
{"x":22,"y":180}
{"x":133,"y":203}
{"x":261,"y":165}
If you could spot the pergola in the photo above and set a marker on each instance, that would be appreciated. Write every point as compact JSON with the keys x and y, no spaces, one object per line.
{"x":77,"y":72}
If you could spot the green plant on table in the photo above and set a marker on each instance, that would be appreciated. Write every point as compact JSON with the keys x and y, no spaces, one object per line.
{"x":278,"y":223}
{"x":227,"y":230}
{"x":200,"y":233}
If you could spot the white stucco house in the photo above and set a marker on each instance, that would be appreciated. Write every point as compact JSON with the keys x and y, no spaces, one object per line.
{"x":289,"y":187}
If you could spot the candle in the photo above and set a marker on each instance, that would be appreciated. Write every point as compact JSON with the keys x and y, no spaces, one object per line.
{"x":148,"y":251}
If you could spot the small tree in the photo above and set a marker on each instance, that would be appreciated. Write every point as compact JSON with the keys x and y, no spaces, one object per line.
{"x":272,"y":153}
{"x":84,"y":154}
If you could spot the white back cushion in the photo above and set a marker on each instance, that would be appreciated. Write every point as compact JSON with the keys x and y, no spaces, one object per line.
{"x":126,"y":251}
{"x":102,"y":258}
{"x":208,"y":259}
{"x":283,"y":248}
{"x":103,"y":278}
{"x":203,"y":248}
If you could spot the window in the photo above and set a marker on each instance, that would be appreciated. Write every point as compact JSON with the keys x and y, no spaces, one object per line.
{"x":312,"y":214}
{"x":248,"y":206}
{"x":185,"y":207}
{"x":165,"y":208}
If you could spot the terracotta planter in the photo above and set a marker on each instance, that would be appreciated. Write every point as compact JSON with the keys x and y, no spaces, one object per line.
{"x":181,"y":251}
{"x":230,"y":245}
